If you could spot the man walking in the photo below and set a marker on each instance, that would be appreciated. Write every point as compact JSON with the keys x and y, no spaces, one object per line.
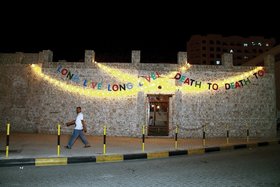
{"x":80,"y":126}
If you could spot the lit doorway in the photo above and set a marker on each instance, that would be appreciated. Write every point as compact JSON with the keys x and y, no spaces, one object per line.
{"x":158,"y":115}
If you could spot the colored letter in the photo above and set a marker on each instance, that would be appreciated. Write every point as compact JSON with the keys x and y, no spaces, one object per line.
{"x":76,"y":78}
{"x":177,"y":76}
{"x":209,"y":85}
{"x":191,"y":81}
{"x":182,"y":78}
{"x":237,"y":85}
{"x":241,"y":82}
{"x":85,"y":83}
{"x":247,"y":81}
{"x":129,"y":85}
{"x":99,"y":86}
{"x":215,"y":86}
{"x":227,"y":86}
{"x":64,"y":71}
{"x":109,"y":88}
{"x":148,"y":78}
{"x":261,"y":73}
{"x":157,"y":74}
{"x":198,"y":84}
{"x":153,"y":75}
{"x":187,"y":81}
{"x":93,"y":84}
{"x":115,"y":87}
{"x":59,"y":68}
{"x":122,"y":87}
{"x":69,"y":75}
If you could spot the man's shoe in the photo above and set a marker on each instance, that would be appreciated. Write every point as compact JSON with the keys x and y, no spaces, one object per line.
{"x":86,"y":146}
{"x":67,"y":147}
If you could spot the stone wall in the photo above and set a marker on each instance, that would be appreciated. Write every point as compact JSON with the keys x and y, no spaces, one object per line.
{"x":33,"y":104}
{"x":19,"y":97}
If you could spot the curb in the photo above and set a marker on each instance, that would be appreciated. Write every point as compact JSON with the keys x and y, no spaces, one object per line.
{"x":55,"y":161}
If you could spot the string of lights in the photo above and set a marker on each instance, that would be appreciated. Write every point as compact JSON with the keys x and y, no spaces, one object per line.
{"x":163,"y":84}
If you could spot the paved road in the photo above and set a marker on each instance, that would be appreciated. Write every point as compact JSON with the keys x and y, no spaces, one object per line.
{"x":254,"y":167}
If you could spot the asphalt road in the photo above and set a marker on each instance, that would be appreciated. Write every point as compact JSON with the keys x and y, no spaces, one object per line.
{"x":247,"y":167}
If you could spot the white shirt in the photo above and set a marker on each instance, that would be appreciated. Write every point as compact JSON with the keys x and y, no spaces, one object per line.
{"x":78,"y":122}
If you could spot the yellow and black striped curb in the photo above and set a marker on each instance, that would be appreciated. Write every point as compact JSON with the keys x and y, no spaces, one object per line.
{"x":122,"y":157}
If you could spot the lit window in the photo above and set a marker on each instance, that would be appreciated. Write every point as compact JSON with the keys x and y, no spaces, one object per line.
{"x":231,"y":51}
{"x":245,"y":57}
{"x":260,"y":44}
{"x":253,"y":44}
{"x":266,"y":44}
{"x":218,"y":62}
{"x":245,"y":45}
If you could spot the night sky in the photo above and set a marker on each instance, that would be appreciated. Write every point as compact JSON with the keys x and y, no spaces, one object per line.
{"x":113,"y":30}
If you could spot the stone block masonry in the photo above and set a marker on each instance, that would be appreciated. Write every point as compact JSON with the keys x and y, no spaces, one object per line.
{"x":217,"y":96}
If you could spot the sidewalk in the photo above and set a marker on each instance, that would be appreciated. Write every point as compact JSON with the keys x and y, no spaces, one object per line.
{"x":33,"y":146}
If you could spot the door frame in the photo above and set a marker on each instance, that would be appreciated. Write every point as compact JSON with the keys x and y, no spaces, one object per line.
{"x":159,"y":101}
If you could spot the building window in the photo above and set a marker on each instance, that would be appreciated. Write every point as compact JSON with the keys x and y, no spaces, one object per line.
{"x":218,"y":49}
{"x":203,"y":41}
{"x":218,"y":62}
{"x":211,"y":42}
{"x":203,"y":48}
{"x":211,"y":48}
{"x":218,"y":42}
{"x":266,"y":44}
{"x":204,"y":55}
{"x":245,"y":44}
{"x":231,"y":51}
